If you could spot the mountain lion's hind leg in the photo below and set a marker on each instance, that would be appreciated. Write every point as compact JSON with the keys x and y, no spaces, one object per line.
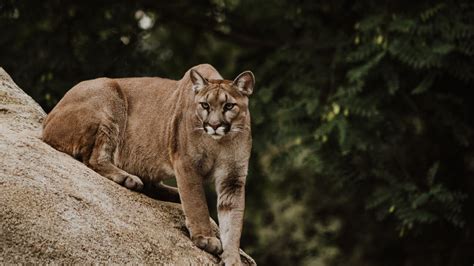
{"x":110,"y":130}
{"x":101,"y":159}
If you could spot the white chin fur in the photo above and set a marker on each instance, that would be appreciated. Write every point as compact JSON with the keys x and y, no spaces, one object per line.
{"x":216,"y":134}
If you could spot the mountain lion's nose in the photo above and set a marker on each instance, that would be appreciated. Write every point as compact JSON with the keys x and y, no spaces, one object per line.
{"x":215,"y":126}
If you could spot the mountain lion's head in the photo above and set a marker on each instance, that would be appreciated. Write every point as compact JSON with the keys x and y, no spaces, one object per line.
{"x":222,"y":105}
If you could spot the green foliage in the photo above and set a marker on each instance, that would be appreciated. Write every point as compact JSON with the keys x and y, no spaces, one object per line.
{"x":420,"y":50}
{"x":386,"y":130}
{"x":362,"y":114}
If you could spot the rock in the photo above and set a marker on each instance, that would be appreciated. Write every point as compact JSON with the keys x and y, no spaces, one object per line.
{"x":53,"y":209}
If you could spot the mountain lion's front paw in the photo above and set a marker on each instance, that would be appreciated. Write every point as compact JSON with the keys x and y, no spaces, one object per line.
{"x":230,"y":260}
{"x":210,"y":244}
{"x":133,"y":182}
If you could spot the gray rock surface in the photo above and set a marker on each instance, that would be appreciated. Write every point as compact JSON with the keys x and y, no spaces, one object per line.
{"x":53,"y":209}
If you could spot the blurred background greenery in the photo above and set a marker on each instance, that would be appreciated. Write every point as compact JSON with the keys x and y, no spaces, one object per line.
{"x":363,"y":111}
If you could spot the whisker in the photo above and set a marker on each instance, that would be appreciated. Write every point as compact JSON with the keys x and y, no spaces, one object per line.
{"x":241,"y":126}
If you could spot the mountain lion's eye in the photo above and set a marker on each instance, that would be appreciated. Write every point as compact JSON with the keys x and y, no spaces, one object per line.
{"x":205,"y":105}
{"x":229,"y":106}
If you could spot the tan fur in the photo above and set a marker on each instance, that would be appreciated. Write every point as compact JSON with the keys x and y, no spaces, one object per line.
{"x":139,"y":131}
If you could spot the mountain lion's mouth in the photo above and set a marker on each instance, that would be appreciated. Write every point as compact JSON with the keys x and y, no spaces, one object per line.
{"x":215,"y":133}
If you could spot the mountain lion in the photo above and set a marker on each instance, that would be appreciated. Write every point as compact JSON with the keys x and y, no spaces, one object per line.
{"x":140,"y":131}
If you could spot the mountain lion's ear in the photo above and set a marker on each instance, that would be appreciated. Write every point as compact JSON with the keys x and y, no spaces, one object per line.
{"x":198,"y":81}
{"x":245,"y":82}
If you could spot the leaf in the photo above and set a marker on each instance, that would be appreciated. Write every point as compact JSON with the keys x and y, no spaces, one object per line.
{"x":361,"y":71}
{"x":420,"y":200}
{"x":424,"y":85}
{"x":443,"y":48}
{"x":342,"y":126}
{"x":392,"y":209}
{"x":432,"y":173}
{"x":402,"y":25}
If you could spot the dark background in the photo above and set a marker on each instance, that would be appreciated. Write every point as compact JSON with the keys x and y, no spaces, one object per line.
{"x":362,"y":113}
